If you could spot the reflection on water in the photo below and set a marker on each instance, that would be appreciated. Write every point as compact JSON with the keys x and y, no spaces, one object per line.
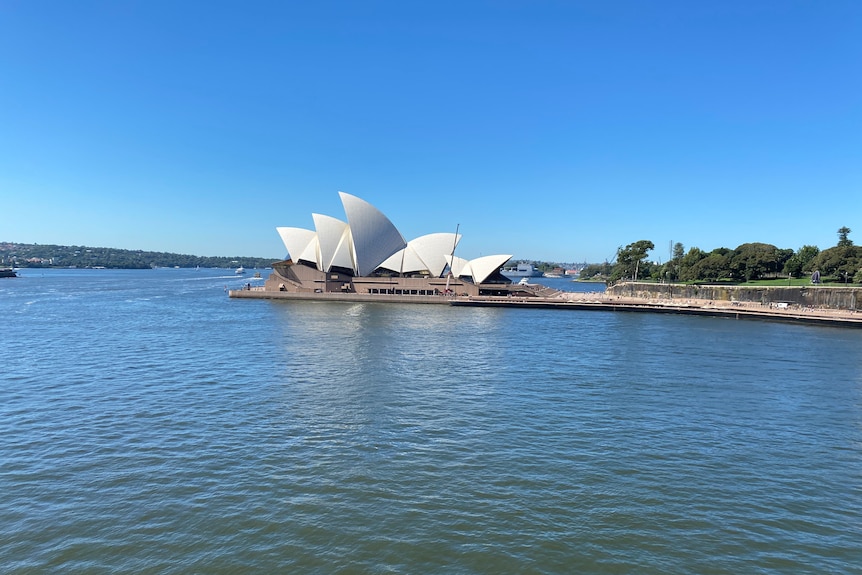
{"x":151,"y":424}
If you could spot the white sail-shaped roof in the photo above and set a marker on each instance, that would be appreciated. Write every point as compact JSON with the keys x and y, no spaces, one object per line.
{"x":457,"y":265}
{"x":343,"y":257}
{"x":432,"y":249}
{"x":425,"y":253}
{"x":333,"y":237}
{"x":368,"y":240}
{"x":479,"y":269}
{"x":311,"y":253}
{"x":483,"y":267}
{"x":466,"y":271}
{"x":404,"y":261}
{"x":295,"y":240}
{"x":374,"y":237}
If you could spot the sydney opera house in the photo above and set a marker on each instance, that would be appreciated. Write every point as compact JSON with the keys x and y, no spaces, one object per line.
{"x":368,"y":255}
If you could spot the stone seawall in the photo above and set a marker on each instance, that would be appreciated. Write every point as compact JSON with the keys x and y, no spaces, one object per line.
{"x":803,"y":296}
{"x":261,"y":293}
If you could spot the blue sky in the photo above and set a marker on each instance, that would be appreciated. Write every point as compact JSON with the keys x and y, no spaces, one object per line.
{"x":551,"y":130}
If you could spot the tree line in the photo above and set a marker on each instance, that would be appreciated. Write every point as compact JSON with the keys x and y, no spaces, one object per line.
{"x":748,"y":262}
{"x":47,"y":256}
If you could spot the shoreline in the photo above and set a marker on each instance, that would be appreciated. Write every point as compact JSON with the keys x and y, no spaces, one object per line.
{"x":689,"y":306}
{"x":259,"y":292}
{"x":590,"y":302}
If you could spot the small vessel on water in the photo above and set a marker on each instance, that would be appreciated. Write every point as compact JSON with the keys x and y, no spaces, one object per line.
{"x":8,"y":273}
{"x":522,"y":270}
{"x":239,"y":271}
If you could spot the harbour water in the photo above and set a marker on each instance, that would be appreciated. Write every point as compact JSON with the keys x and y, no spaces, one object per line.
{"x":151,"y":424}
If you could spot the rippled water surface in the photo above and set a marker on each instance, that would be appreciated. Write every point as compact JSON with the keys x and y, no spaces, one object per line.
{"x":150,"y":424}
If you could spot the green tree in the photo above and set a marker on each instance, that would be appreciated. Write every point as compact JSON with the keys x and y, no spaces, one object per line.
{"x":755,"y":260}
{"x":798,"y":264}
{"x":713,"y":267}
{"x":596,"y":271}
{"x":687,"y":271}
{"x":631,"y":261}
{"x":36,"y":255}
{"x":840,"y":263}
{"x":670,"y":270}
{"x":843,"y":240}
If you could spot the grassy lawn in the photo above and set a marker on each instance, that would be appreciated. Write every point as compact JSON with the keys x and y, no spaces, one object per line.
{"x":795,"y":282}
{"x":806,"y":281}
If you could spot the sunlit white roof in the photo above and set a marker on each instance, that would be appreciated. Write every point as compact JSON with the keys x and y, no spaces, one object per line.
{"x":311,"y":253}
{"x":457,"y":265}
{"x":433,"y":249}
{"x":404,"y":261}
{"x":375,"y":238}
{"x":333,"y":236}
{"x":483,"y":267}
{"x":368,"y":240}
{"x":295,"y":240}
{"x":425,"y":253}
{"x":479,"y":269}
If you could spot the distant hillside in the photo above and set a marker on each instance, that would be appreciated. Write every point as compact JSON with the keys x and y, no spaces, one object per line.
{"x":50,"y":256}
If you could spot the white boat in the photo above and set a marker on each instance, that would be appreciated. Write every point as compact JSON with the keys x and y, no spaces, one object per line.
{"x":240,"y":270}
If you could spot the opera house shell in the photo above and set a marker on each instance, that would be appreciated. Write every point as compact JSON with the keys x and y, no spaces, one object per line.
{"x":366,"y":254}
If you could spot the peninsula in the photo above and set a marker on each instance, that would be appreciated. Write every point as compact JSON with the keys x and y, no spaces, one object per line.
{"x":56,"y":256}
{"x":366,"y":259}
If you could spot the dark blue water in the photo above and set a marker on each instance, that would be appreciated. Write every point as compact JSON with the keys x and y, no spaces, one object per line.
{"x":150,"y":424}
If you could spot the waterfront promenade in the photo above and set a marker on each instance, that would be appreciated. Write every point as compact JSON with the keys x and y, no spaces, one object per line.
{"x":594,"y":301}
{"x":692,"y":306}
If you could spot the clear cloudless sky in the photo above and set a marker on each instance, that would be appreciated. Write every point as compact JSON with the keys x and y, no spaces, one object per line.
{"x":551,"y":130}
